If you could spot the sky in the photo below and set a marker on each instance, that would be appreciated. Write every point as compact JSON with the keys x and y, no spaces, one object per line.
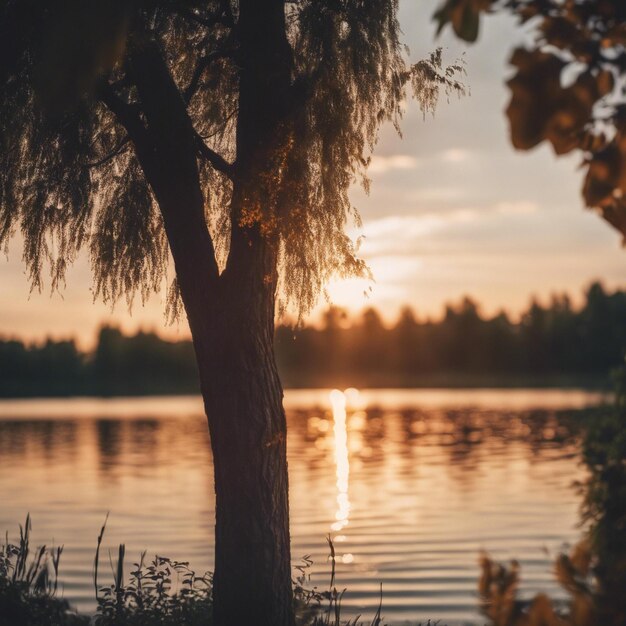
{"x":453,"y":210}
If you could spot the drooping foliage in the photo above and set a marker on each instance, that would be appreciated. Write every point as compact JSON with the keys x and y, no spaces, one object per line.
{"x":353,"y":76}
{"x":71,"y":177}
{"x":569,"y":88}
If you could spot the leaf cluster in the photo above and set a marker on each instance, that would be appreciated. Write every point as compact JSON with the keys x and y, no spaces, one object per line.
{"x":162,"y":591}
{"x":569,"y":87}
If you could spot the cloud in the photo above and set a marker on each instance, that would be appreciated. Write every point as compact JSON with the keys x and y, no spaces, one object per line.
{"x":436,"y":194}
{"x":384,"y":164}
{"x":517,"y":208}
{"x":393,"y":277}
{"x":398,"y":233}
{"x":455,"y":155}
{"x":477,"y":231}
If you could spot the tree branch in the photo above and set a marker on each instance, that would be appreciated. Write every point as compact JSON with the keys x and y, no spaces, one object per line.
{"x":117,"y":150}
{"x":125,"y":113}
{"x":215,"y":159}
{"x":172,"y":161}
{"x":203,"y":64}
{"x":224,"y":17}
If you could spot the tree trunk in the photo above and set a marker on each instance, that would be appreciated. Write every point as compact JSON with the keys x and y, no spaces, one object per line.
{"x":243,"y":400}
{"x":231,"y":316}
{"x":232,"y":326}
{"x":240,"y":383}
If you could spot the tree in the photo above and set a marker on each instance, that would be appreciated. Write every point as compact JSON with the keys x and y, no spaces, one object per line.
{"x":227,"y":134}
{"x":569,"y":86}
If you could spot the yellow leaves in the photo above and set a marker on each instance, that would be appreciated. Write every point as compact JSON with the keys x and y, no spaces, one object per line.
{"x":602,"y":177}
{"x":614,"y":36}
{"x":575,"y":38}
{"x":580,"y":558}
{"x":574,"y":110}
{"x":253,"y":215}
{"x":542,"y":109}
{"x":463,"y":15}
{"x":561,"y":32}
{"x":572,"y":573}
{"x":582,"y":610}
{"x":541,"y":613}
{"x":568,"y":575}
{"x":605,"y":82}
{"x":250,"y":215}
{"x":615,"y":214}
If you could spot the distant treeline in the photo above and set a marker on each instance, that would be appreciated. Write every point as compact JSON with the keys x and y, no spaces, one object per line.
{"x":553,"y":345}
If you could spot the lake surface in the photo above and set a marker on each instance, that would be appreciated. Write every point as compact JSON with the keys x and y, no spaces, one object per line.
{"x":411,"y":485}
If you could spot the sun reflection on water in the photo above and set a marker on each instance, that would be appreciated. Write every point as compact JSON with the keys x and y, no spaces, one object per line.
{"x":342,"y":463}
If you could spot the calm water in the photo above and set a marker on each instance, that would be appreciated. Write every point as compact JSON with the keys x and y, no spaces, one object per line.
{"x":411,"y":485}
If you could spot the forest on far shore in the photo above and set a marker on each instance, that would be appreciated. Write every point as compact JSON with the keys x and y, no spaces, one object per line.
{"x":554,"y":345}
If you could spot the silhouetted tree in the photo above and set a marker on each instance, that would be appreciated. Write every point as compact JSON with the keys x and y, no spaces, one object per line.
{"x":534,"y":323}
{"x":461,"y":336}
{"x":56,"y":367}
{"x":141,"y":364}
{"x":369,"y":353}
{"x":404,"y":343}
{"x":600,"y":312}
{"x":227,"y":133}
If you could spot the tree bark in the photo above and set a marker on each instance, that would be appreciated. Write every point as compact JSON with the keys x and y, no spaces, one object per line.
{"x":232,"y":326}
{"x":252,"y":580}
{"x":243,"y":401}
{"x":240,"y":384}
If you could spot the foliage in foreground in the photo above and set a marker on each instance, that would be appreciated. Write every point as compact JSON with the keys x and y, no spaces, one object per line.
{"x":594,"y":574}
{"x":28,"y":585}
{"x":162,"y":592}
{"x":587,"y":604}
{"x":584,"y":40}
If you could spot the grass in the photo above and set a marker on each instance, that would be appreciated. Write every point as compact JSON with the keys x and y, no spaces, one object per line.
{"x":159,"y":592}
{"x":28,"y":585}
{"x":165,"y":592}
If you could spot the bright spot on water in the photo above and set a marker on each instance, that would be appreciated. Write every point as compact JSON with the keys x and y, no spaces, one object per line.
{"x":340,"y":432}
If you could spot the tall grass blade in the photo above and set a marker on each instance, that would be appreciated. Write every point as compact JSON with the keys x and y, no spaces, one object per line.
{"x":96,"y":559}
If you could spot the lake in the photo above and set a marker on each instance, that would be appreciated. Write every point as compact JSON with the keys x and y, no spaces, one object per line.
{"x":410,"y":484}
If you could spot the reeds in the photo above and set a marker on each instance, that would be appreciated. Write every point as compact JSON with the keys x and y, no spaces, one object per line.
{"x":29,"y":585}
{"x":162,"y":592}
